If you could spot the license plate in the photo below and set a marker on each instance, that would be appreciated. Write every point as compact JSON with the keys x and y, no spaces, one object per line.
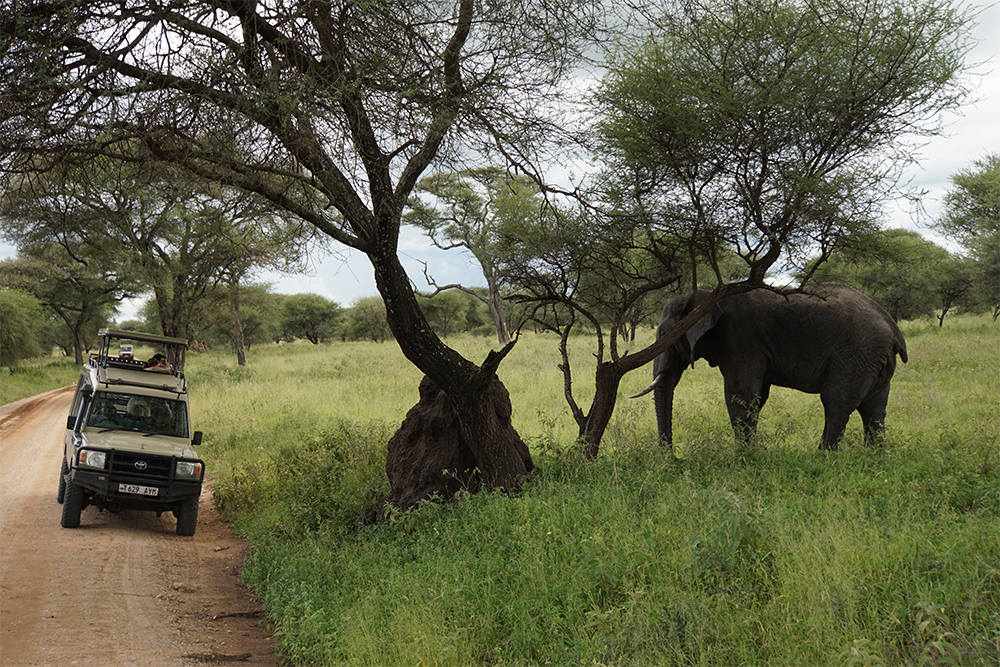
{"x":138,"y":490}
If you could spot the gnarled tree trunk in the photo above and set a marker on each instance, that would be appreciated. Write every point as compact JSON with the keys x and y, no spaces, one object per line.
{"x":459,"y":435}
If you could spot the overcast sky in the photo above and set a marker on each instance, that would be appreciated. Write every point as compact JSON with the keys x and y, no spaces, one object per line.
{"x":969,"y":136}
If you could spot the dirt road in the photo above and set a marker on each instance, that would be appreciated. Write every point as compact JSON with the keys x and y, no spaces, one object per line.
{"x":120,"y":591}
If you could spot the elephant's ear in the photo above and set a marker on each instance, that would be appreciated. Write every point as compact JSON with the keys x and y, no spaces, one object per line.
{"x":700,"y":328}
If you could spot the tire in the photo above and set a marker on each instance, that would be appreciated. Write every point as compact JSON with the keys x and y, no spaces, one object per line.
{"x":72,"y":505}
{"x":187,"y":517}
{"x":62,"y":482}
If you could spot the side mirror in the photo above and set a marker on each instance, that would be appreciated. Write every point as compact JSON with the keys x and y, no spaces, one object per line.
{"x":71,"y":421}
{"x":196,"y":440}
{"x":87,"y":390}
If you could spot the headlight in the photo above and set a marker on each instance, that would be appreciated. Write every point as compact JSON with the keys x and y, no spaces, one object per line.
{"x":188,"y":469}
{"x":92,"y":459}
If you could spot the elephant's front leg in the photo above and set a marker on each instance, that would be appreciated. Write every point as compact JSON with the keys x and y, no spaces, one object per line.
{"x":744,"y":402}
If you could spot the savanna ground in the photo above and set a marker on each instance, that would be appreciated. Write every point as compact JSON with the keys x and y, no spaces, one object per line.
{"x":774,"y":555}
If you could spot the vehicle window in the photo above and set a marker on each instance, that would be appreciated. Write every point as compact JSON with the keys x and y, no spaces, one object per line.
{"x":148,"y":414}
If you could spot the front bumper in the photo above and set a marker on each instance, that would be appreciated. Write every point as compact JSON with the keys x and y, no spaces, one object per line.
{"x":106,"y":486}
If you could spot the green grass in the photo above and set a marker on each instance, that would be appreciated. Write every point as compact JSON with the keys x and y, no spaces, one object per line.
{"x":34,"y":376}
{"x":775,"y":555}
{"x":778,"y":555}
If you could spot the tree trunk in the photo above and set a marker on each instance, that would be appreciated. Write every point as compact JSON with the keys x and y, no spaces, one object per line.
{"x":234,"y":308}
{"x":607,"y":379}
{"x":463,"y":417}
{"x":496,"y":310}
{"x":77,"y":346}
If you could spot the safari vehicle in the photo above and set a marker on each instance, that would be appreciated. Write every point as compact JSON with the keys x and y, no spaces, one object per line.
{"x":128,"y":441}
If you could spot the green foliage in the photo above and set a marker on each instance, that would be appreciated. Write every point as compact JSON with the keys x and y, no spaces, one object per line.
{"x":861,"y":654}
{"x":764,"y":126}
{"x":898,"y":268}
{"x":454,"y":312}
{"x":736,"y":558}
{"x":972,"y":217}
{"x":260,"y":316}
{"x":782,"y":555}
{"x":366,"y":320}
{"x":77,"y":296}
{"x":310,"y":316}
{"x":323,"y":478}
{"x":19,"y":316}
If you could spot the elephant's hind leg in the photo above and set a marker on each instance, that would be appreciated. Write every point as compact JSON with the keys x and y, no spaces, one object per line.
{"x":837,"y":415}
{"x":872,"y":412}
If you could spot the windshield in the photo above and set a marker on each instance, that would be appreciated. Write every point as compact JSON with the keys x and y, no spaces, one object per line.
{"x":148,"y":414}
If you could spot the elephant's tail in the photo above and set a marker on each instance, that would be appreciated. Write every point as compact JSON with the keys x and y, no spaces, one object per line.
{"x":899,"y":346}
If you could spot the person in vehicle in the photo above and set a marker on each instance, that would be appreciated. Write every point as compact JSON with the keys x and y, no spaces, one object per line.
{"x":158,"y":364}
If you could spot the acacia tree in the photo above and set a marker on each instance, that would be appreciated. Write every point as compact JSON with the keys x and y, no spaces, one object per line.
{"x":310,"y":316}
{"x":82,"y":295}
{"x":475,"y":209}
{"x":575,"y":274}
{"x":337,"y":108}
{"x":20,"y":314}
{"x":154,"y":229}
{"x":773,"y":128}
{"x":972,"y":218}
{"x":366,"y":319}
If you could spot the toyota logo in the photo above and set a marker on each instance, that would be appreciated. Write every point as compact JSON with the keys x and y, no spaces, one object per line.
{"x":140,"y":465}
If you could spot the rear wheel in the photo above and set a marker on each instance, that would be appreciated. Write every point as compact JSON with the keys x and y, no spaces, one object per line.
{"x":72,"y":505}
{"x":187,"y":516}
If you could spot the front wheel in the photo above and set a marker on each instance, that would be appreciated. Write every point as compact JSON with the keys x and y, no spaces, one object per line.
{"x":62,"y":482}
{"x":187,"y":517}
{"x":72,"y":505}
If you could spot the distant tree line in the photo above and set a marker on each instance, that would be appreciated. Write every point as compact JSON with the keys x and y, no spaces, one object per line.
{"x":53,"y":298}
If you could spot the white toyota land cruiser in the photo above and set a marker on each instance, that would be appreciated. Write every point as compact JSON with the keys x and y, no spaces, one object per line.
{"x":128,"y":442}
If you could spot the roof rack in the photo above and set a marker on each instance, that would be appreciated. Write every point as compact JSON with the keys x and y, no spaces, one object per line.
{"x":117,"y":365}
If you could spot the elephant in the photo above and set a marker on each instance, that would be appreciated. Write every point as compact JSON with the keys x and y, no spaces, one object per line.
{"x":827,"y":339}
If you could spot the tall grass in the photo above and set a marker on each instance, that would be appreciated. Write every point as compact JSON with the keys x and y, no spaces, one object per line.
{"x":775,"y":555}
{"x":34,"y":376}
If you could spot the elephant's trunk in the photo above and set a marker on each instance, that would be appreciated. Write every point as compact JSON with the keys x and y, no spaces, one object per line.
{"x":663,"y":401}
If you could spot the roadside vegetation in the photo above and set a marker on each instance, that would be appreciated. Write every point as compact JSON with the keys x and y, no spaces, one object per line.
{"x":777,"y":554}
{"x":34,"y":376}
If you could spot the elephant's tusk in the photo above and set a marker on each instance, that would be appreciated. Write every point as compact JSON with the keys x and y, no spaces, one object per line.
{"x":651,"y":387}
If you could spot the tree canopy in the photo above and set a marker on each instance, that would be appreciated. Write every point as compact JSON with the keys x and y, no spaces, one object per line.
{"x":972,"y":218}
{"x":776,"y":127}
{"x":83,"y":295}
{"x":152,"y":229}
{"x":310,"y":316}
{"x":20,"y":314}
